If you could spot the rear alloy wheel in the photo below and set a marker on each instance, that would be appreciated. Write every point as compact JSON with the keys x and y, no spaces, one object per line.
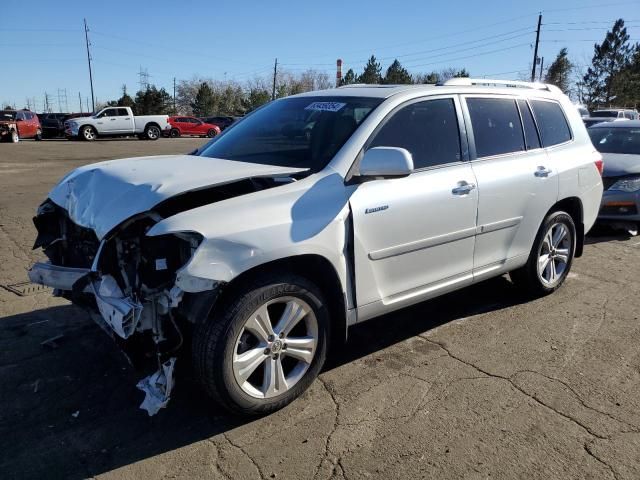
{"x":14,"y":137}
{"x":265,"y":346}
{"x":152,"y":132}
{"x":174,"y":133}
{"x":88,"y":133}
{"x":551,"y":256}
{"x":212,"y":133}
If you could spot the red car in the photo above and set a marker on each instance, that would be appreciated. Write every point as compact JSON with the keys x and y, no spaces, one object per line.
{"x":17,"y":124}
{"x":191,"y":126}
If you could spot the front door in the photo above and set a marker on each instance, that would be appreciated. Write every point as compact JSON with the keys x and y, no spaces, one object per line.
{"x":414,"y":236}
{"x":108,"y":121}
{"x":516,"y":183}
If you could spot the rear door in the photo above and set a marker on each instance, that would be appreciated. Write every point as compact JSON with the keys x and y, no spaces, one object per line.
{"x":516,"y":183}
{"x":124,"y":121}
{"x":414,"y":236}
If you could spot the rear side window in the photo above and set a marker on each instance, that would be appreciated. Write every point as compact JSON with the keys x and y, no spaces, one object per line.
{"x":428,"y":130}
{"x":496,"y":126}
{"x":552,"y":123}
{"x":122,"y":112}
{"x":531,"y":139}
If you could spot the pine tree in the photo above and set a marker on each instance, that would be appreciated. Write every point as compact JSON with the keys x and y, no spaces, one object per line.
{"x":462,"y":74}
{"x":372,"y":73}
{"x":349,"y":78}
{"x":397,"y":74}
{"x":559,"y":72}
{"x":609,"y":58}
{"x":125,"y":100}
{"x":204,"y":102}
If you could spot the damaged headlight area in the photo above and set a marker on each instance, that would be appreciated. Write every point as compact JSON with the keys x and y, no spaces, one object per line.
{"x":127,"y":282}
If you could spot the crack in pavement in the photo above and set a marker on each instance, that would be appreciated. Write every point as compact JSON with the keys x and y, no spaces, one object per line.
{"x":217,"y":465}
{"x":599,"y":460}
{"x":246,"y":454}
{"x":336,"y":424}
{"x":516,"y":387}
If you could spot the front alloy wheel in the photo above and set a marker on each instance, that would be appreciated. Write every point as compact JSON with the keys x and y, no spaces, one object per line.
{"x":270,"y":359}
{"x":264,"y":343}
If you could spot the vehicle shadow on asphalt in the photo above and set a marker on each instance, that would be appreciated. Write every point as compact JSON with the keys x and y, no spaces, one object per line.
{"x":606,"y":234}
{"x":70,"y":410}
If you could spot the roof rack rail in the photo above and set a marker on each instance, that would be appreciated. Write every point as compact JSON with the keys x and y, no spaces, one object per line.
{"x":464,"y":81}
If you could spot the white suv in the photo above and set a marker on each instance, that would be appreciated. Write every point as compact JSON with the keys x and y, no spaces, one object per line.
{"x":316,"y":212}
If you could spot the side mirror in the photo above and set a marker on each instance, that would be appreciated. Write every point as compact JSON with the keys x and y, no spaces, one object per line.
{"x":386,"y":162}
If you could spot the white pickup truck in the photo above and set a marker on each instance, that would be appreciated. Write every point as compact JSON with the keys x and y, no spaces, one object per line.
{"x":116,"y":122}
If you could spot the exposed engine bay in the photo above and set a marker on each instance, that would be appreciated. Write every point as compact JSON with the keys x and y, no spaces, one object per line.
{"x":127,"y":280}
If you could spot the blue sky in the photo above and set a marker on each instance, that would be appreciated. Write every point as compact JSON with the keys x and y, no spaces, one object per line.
{"x":43,"y":41}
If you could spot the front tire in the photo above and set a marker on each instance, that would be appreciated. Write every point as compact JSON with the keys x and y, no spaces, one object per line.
{"x":152,"y":132}
{"x":14,"y":137}
{"x":174,"y":133}
{"x":88,"y":133}
{"x":38,"y":136}
{"x":551,"y":256}
{"x":264,"y":345}
{"x":211,"y":133}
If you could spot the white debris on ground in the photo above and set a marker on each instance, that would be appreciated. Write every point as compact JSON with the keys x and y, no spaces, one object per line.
{"x":157,"y":388}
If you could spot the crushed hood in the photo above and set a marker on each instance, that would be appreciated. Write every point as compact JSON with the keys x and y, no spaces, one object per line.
{"x":620,"y":164}
{"x":102,"y":195}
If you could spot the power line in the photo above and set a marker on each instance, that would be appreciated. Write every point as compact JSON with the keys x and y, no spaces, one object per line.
{"x":470,"y":56}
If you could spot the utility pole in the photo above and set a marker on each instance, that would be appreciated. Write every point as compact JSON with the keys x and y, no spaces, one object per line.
{"x":535,"y":51}
{"x":275,"y":74}
{"x":174,"y":96}
{"x":541,"y":67}
{"x":80,"y":102}
{"x":86,"y":39}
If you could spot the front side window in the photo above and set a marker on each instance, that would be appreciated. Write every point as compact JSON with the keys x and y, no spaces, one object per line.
{"x":496,"y":126}
{"x":428,"y":130}
{"x":297,"y":132}
{"x":110,"y":112}
{"x":552,"y":123}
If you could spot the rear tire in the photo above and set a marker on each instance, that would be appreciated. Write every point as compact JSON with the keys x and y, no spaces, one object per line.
{"x":250,"y":323}
{"x":152,"y":132}
{"x":212,"y":133}
{"x":14,"y":137}
{"x":551,"y":256}
{"x":174,"y":133}
{"x":38,"y":136}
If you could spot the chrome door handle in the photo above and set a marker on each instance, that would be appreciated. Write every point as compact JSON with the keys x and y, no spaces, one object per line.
{"x":542,"y":172}
{"x":113,"y":119}
{"x":463,"y":188}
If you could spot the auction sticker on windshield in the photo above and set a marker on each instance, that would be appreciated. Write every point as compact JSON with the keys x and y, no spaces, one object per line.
{"x":325,"y":106}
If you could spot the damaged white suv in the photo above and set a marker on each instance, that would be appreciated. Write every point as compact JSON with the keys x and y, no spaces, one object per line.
{"x":314,"y":213}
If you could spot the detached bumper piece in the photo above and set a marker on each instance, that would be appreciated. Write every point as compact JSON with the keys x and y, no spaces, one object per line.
{"x":59,"y":278}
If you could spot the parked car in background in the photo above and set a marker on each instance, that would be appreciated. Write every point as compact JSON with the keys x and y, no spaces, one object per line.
{"x":52,"y":124}
{"x":583,"y":111}
{"x":619,"y":143}
{"x":117,"y":122}
{"x":590,"y":121}
{"x":187,"y":126}
{"x":19,"y":124}
{"x":627,"y":113}
{"x":268,"y":248}
{"x":223,"y":122}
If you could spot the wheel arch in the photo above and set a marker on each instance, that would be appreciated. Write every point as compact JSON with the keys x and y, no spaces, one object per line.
{"x":323,"y":274}
{"x":573,"y":206}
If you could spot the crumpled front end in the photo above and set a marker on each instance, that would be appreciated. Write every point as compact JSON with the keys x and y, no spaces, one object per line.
{"x":127,"y":281}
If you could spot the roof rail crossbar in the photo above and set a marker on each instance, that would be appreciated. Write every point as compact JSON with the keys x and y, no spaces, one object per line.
{"x":464,"y":81}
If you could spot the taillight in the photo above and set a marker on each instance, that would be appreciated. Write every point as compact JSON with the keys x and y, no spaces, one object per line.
{"x":597,"y":159}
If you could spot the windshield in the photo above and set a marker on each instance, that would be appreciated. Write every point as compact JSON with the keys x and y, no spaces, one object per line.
{"x":616,"y":140}
{"x":606,"y":113}
{"x":300,"y":132}
{"x":7,"y":115}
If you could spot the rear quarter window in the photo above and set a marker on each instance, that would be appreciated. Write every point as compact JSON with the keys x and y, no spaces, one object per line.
{"x":552,"y":123}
